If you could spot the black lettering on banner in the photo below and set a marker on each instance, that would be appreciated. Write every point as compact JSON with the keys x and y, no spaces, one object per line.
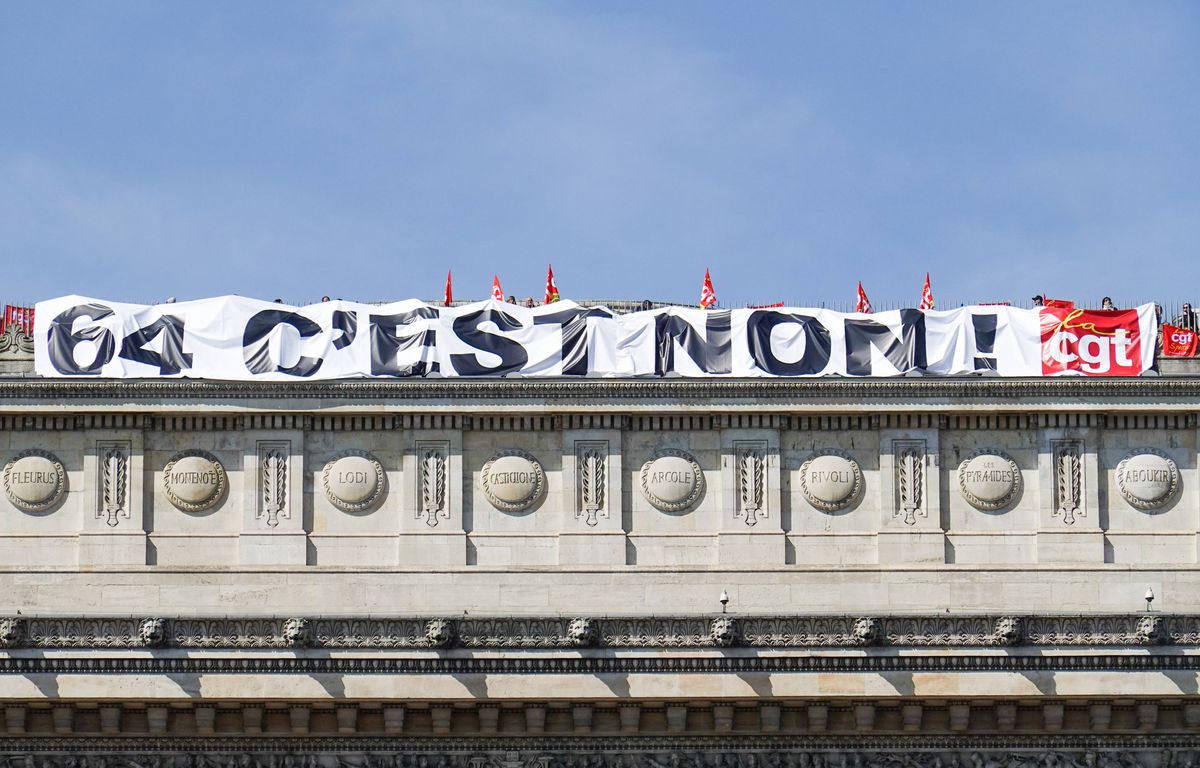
{"x":347,"y":323}
{"x":906,"y":353}
{"x":513,"y":356}
{"x":985,"y":341}
{"x":172,"y":359}
{"x":574,"y":336}
{"x":817,"y":343}
{"x":712,"y":352}
{"x":387,"y":343}
{"x":62,"y":340}
{"x":257,"y":352}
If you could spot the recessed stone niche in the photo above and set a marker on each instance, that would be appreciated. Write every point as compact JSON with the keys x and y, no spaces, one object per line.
{"x":194,"y":481}
{"x":989,"y":479}
{"x":513,"y":481}
{"x":1147,"y":478}
{"x":353,"y":482}
{"x":831,"y":480}
{"x":672,"y":481}
{"x":34,"y":480}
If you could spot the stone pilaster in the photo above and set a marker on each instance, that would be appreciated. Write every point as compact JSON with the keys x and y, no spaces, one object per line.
{"x":751,"y":520}
{"x":273,"y":523}
{"x":910,"y":484}
{"x":431,"y":505}
{"x":113,"y":528}
{"x":591,"y":528}
{"x":1069,"y":528}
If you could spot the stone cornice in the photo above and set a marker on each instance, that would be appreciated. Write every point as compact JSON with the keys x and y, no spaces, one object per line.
{"x":697,"y":632}
{"x":911,"y":393}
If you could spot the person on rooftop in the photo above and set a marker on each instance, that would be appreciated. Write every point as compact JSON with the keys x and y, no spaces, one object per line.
{"x":1186,"y":318}
{"x":1039,"y":300}
{"x":1107,"y":303}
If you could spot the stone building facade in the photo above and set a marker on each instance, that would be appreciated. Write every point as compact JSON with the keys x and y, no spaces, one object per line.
{"x":667,"y":572}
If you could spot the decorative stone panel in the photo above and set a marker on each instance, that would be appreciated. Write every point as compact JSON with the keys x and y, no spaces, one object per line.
{"x":513,"y":480}
{"x":273,"y":482}
{"x":34,"y":480}
{"x":831,"y":480}
{"x":989,"y":479}
{"x":194,"y":481}
{"x":750,"y":480}
{"x":1067,"y":456}
{"x":910,"y":480}
{"x":672,"y":481}
{"x":591,"y":480}
{"x":1148,"y":478}
{"x":433,"y":467}
{"x":354,"y":481}
{"x":112,"y":490}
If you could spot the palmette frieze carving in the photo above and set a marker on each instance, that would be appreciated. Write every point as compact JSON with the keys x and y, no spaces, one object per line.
{"x":616,"y":752}
{"x":633,"y":632}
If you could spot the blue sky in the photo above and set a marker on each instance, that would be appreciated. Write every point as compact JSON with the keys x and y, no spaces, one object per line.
{"x":360,"y":149}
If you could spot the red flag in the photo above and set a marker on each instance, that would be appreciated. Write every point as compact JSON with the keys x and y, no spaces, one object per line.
{"x":497,"y":294}
{"x":1178,"y":342}
{"x":862,"y":303}
{"x":707,"y":296}
{"x":551,"y":288}
{"x":926,"y":295}
{"x":1059,"y":303}
{"x":21,"y":317}
{"x":449,"y":292}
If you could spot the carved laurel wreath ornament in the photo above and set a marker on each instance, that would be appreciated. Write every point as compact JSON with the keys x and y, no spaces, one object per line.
{"x":673,"y":506}
{"x":1172,"y":477}
{"x":35,"y":505}
{"x":827,"y":504}
{"x":591,"y":482}
{"x":354,"y":506}
{"x":219,"y":475}
{"x":433,"y":485}
{"x":537,"y":488}
{"x":751,"y":476}
{"x":989,"y":505}
{"x":1068,"y":480}
{"x":114,"y":482}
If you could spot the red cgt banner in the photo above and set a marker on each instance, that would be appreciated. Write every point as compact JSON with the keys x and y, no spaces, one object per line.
{"x":1178,"y":342}
{"x":1094,"y":342}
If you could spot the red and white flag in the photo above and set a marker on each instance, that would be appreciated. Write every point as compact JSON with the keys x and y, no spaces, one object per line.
{"x":1178,"y":342}
{"x":551,"y":288}
{"x":926,"y":295}
{"x":21,"y":317}
{"x":707,"y":296}
{"x":497,"y":294}
{"x":449,"y":291}
{"x":862,"y":303}
{"x":1059,"y":303}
